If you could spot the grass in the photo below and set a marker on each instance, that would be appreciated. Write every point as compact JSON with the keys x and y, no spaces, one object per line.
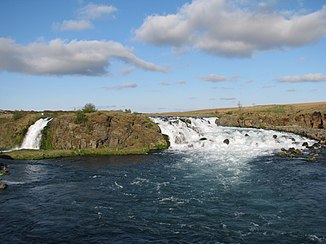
{"x":47,"y":154}
{"x":27,"y":154}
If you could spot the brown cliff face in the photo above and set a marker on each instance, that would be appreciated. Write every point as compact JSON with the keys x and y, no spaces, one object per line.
{"x":112,"y":130}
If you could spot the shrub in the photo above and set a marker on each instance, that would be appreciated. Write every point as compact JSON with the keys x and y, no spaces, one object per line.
{"x":89,"y":108}
{"x":80,"y":117}
{"x":128,"y":111}
{"x":18,"y":115}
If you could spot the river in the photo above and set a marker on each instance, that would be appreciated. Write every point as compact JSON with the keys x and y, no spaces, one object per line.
{"x":171,"y":196}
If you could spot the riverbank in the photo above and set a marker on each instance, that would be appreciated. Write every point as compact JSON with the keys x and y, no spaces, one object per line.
{"x":121,"y":133}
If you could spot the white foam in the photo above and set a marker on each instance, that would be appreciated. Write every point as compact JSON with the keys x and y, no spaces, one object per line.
{"x":202,"y":136}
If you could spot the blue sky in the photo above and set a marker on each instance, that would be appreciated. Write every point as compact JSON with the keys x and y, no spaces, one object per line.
{"x":155,"y":56}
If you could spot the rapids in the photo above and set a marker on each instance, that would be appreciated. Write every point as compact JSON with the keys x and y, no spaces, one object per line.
{"x":203,"y":136}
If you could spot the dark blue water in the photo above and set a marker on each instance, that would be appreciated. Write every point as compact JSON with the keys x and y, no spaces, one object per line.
{"x":164,"y":197}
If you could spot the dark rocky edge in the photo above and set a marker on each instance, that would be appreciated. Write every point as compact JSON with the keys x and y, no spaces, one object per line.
{"x":310,"y":154}
{"x":3,"y":171}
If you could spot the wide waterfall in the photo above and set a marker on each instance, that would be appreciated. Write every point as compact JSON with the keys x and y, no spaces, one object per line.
{"x":194,"y":135}
{"x":33,"y":136}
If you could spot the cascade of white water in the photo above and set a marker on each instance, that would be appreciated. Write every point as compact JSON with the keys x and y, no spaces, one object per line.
{"x":33,"y":136}
{"x":203,"y":134}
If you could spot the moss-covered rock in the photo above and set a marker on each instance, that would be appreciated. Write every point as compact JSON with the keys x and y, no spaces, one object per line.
{"x":290,"y":153}
{"x":111,"y":130}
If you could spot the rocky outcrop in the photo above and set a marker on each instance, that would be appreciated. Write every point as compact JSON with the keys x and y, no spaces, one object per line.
{"x":112,"y":130}
{"x":311,"y":125}
{"x":316,"y":120}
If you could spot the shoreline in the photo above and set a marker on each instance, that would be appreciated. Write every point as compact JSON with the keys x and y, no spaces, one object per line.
{"x":121,"y":133}
{"x":30,"y":154}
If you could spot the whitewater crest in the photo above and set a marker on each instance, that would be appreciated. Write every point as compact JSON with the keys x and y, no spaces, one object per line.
{"x":195,"y":134}
{"x":33,"y":136}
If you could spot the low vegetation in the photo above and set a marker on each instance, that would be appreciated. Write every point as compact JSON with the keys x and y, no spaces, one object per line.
{"x":80,"y":117}
{"x":89,"y":108}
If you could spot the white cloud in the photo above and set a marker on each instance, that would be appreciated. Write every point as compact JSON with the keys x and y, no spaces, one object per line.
{"x":180,"y":82}
{"x":165,"y":84}
{"x":291,"y":90}
{"x":58,"y":57}
{"x":85,"y":16}
{"x":214,"y":78}
{"x":221,"y":27}
{"x":123,"y":86}
{"x":127,"y":70}
{"x":76,"y":25}
{"x":92,"y":11}
{"x":227,"y":98}
{"x":317,"y":77}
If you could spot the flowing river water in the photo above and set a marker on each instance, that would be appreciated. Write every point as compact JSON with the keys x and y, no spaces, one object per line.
{"x":196,"y":191}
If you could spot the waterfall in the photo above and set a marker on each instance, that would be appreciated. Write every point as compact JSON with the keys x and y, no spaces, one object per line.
{"x":198,"y":135}
{"x":33,"y":136}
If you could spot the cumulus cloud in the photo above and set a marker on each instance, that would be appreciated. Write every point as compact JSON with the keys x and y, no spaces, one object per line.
{"x":214,"y":78}
{"x":316,"y":77}
{"x":57,"y":57}
{"x":76,"y":25}
{"x":225,"y":28}
{"x":123,"y":86}
{"x":85,"y":16}
{"x":127,"y":70}
{"x":92,"y":11}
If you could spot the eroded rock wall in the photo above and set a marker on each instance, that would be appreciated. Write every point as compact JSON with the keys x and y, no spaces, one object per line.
{"x":114,"y":130}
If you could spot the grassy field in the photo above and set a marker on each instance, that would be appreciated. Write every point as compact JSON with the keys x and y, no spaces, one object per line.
{"x":258,"y":109}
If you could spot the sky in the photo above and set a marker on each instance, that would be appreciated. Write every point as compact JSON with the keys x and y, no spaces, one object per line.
{"x":158,"y":56}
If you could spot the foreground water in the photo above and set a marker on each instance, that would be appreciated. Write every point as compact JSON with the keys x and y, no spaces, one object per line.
{"x":172,"y":196}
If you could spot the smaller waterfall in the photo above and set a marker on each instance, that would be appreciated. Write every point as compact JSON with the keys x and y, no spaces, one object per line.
{"x":33,"y":136}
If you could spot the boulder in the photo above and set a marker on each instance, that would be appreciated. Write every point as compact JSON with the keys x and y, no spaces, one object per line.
{"x":317,"y":121}
{"x":246,"y":135}
{"x":226,"y":141}
{"x":274,"y":136}
{"x":186,"y":120}
{"x":4,"y":169}
{"x":203,"y":139}
{"x":315,"y":145}
{"x":305,"y":144}
{"x":3,"y":186}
